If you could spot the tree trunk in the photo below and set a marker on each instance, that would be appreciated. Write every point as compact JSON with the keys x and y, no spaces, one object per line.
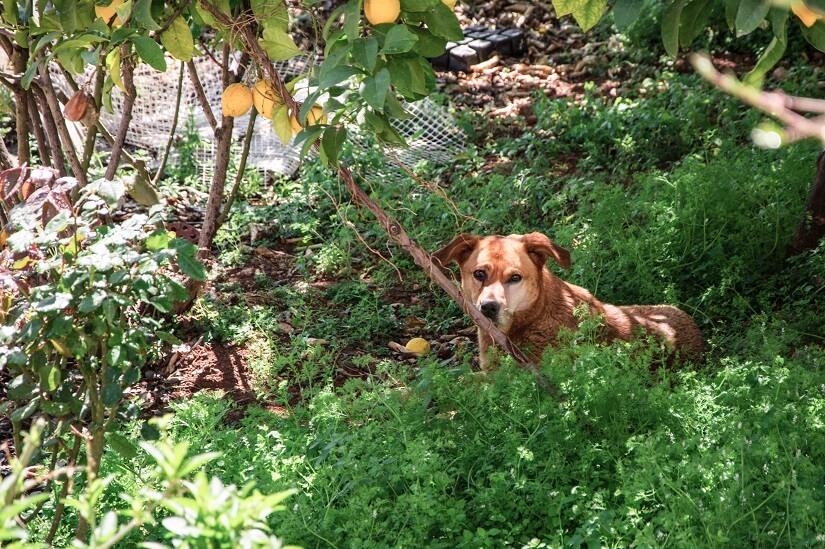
{"x":812,"y":227}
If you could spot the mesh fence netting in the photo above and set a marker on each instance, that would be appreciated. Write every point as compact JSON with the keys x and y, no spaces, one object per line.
{"x":430,"y":132}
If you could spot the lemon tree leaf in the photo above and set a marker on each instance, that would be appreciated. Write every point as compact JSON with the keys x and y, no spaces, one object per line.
{"x":625,"y":12}
{"x":750,"y":15}
{"x":281,"y":124}
{"x":374,"y":89}
{"x":588,"y":13}
{"x":142,"y":13}
{"x":398,"y":40}
{"x":150,"y":52}
{"x":271,"y":14}
{"x":177,"y":40}
{"x":113,"y":65}
{"x":278,"y":44}
{"x":443,"y":23}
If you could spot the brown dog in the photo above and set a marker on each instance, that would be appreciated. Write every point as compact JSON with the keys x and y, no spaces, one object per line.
{"x":506,"y":278}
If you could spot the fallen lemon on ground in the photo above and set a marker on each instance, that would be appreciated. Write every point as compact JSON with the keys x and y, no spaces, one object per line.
{"x":418,"y":345}
{"x":314,"y":116}
{"x":382,"y":11}
{"x":265,"y":97}
{"x":106,"y":12}
{"x":236,"y":100}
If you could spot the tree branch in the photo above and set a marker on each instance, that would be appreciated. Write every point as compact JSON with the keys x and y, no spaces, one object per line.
{"x":129,"y":98}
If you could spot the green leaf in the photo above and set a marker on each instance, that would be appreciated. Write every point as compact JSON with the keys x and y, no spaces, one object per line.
{"x":150,"y":52}
{"x":55,"y":302}
{"x":693,"y":20}
{"x":281,"y":123}
{"x":30,"y":73}
{"x":750,"y":15}
{"x":375,"y":121}
{"x":772,"y":54}
{"x":332,"y":142}
{"x":443,"y":23}
{"x":395,"y":109}
{"x":113,"y":60}
{"x":336,"y":75}
{"x":428,"y":44}
{"x":49,"y":375}
{"x":177,"y":40}
{"x":352,"y":20}
{"x":278,"y":44}
{"x":670,"y":26}
{"x":815,"y":34}
{"x":398,"y":40}
{"x":418,"y":5}
{"x":142,"y":14}
{"x":92,"y":302}
{"x":565,"y":7}
{"x":26,"y":411}
{"x":10,"y":12}
{"x":374,"y":89}
{"x":589,"y":12}
{"x":191,"y":267}
{"x":365,"y":52}
{"x":122,"y":445}
{"x":625,"y":12}
{"x":158,"y":240}
{"x":112,"y":394}
{"x":270,"y":14}
{"x":307,"y":136}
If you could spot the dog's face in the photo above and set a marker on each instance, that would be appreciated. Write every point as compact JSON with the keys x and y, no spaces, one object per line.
{"x":502,"y":275}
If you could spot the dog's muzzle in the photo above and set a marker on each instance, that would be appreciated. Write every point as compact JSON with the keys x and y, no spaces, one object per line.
{"x":490,"y":309}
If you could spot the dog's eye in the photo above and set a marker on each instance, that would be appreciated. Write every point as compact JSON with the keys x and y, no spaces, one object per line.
{"x":479,"y":275}
{"x":514,"y":279}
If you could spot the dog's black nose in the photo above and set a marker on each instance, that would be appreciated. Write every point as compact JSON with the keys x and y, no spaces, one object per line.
{"x":489,"y":309}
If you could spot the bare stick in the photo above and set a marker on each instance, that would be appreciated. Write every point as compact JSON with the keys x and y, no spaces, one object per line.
{"x":201,"y":95}
{"x":165,"y":158}
{"x":775,"y":104}
{"x":247,"y":141}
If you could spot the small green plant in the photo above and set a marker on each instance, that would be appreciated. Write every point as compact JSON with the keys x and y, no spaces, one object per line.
{"x":84,"y":302}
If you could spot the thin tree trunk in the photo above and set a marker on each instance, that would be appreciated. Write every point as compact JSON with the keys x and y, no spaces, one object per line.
{"x":19,"y":60}
{"x":33,"y":114}
{"x":812,"y":227}
{"x":51,"y":130}
{"x":165,"y":157}
{"x":127,"y":74}
{"x":60,"y":123}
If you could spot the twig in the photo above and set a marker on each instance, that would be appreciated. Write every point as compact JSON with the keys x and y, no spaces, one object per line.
{"x":247,"y":142}
{"x":774,"y":103}
{"x":201,"y":95}
{"x":127,"y":75}
{"x":165,"y":158}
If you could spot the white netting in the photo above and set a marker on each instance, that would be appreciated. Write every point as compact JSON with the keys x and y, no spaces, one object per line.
{"x":431,"y":132}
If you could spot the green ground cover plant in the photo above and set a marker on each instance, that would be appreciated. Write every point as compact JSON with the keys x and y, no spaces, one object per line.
{"x":728,"y":452}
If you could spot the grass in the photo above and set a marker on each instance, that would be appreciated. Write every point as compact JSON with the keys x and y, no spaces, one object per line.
{"x":662,"y":199}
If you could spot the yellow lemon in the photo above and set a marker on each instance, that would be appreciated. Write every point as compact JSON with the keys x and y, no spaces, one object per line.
{"x":236,"y":100}
{"x":382,"y":11}
{"x":314,"y":116}
{"x":265,"y":97}
{"x":418,"y":345}
{"x":106,"y":12}
{"x":805,"y":14}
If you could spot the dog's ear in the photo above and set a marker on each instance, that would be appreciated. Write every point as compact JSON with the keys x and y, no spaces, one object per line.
{"x":458,"y":250}
{"x":542,"y":248}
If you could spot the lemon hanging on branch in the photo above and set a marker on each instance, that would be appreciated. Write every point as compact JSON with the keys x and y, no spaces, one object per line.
{"x":236,"y":100}
{"x":314,"y":116}
{"x":382,"y":11}
{"x":265,"y":97}
{"x":107,"y":12}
